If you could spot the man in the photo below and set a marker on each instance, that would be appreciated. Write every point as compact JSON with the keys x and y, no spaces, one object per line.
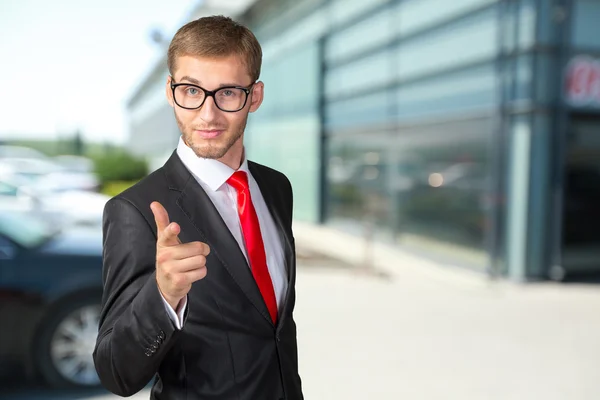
{"x":199,"y":257}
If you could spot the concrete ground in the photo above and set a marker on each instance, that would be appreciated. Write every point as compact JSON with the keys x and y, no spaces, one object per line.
{"x":436,"y":332}
{"x":420,"y":331}
{"x":418,"y":338}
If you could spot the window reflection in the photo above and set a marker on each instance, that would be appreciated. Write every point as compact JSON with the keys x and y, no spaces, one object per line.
{"x":427,"y":183}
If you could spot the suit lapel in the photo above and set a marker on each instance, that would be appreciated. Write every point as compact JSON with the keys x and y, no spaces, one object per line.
{"x":200,"y":210}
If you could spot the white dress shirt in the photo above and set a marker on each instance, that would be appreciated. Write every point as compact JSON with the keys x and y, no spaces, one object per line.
{"x":212,"y":175}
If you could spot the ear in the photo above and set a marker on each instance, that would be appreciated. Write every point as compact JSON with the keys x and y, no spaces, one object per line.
{"x":256,"y":96}
{"x":169,"y":92}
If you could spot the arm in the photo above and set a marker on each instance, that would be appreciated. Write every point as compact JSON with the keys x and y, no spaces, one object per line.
{"x":135,"y":330}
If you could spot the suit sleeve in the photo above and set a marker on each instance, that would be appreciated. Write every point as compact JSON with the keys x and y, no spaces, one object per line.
{"x":289,"y":198}
{"x":290,"y":194}
{"x":135,"y":331}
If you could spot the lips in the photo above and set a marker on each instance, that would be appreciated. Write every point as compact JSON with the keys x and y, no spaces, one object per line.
{"x":209,"y":133}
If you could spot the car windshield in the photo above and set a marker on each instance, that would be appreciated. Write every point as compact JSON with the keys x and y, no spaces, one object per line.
{"x":25,"y":229}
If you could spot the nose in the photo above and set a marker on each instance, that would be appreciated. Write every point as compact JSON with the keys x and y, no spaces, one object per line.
{"x":209,"y":110}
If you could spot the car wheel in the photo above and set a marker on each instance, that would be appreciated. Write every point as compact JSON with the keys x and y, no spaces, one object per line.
{"x":66,"y":345}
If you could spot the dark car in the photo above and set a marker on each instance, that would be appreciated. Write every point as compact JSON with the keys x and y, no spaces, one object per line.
{"x":50,"y":292}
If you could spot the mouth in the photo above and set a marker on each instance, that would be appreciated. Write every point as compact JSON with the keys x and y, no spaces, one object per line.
{"x":209,"y":133}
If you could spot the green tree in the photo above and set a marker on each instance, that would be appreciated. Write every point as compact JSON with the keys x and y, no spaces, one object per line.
{"x":120,"y":166}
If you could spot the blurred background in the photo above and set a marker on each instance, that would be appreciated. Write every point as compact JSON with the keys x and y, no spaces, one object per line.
{"x":445,"y":159}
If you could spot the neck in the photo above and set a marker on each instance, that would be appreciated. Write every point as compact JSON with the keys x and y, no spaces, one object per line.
{"x":234,"y":157}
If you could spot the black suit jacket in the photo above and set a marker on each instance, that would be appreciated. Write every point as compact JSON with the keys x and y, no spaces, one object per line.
{"x":228,"y":348}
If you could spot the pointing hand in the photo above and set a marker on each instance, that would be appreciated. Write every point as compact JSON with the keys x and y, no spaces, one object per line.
{"x":177,"y":265}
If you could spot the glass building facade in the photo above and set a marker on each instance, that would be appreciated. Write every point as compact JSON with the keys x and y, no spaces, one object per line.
{"x":467,"y":130}
{"x":464,"y":130}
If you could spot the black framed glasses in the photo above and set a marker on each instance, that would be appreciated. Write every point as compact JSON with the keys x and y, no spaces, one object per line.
{"x":228,"y":98}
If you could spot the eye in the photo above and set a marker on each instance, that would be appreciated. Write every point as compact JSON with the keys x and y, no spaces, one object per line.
{"x":227,"y":93}
{"x":192,"y":91}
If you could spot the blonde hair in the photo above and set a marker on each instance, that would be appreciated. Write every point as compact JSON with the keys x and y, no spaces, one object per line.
{"x":216,"y":36}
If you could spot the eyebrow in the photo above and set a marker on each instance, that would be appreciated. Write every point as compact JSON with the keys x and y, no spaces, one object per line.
{"x":197,"y":82}
{"x":190,"y":79}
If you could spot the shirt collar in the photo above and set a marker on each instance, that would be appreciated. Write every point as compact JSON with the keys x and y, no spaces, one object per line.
{"x":212,"y":172}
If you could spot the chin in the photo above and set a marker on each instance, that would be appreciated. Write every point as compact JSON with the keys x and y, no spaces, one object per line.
{"x":212,"y":152}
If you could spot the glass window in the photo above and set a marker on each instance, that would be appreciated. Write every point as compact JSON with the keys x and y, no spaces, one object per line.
{"x":442,"y":188}
{"x":524,"y":75}
{"x":291,"y":33}
{"x":360,"y":110}
{"x":372,"y":71}
{"x":585,"y":24}
{"x":292,"y":82}
{"x":414,"y":15}
{"x":581,"y":239}
{"x":285,"y":132}
{"x":343,"y":10}
{"x":369,"y":33}
{"x":518,"y":24}
{"x":549,"y":32}
{"x":507,"y":23}
{"x":358,"y":181}
{"x":150,"y":99}
{"x":517,"y":78}
{"x":462,"y":43}
{"x":268,"y":76}
{"x":290,"y":144}
{"x":425,"y":187}
{"x":527,"y":15}
{"x":474,"y":88}
{"x":545,"y":73}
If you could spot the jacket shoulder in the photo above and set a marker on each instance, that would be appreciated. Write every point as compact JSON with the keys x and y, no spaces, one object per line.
{"x":271,"y":173}
{"x":153,"y":187}
{"x":153,"y":183}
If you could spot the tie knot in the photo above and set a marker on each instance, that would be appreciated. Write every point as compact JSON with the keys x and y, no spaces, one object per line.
{"x":239,"y":181}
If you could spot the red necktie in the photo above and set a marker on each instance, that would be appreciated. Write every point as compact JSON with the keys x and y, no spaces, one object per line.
{"x":254,"y":242}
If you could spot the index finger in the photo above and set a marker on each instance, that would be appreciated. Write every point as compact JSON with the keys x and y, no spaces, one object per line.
{"x":166,"y":232}
{"x":161,"y":217}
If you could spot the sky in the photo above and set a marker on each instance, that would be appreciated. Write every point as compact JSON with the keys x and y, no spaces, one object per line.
{"x":70,"y":65}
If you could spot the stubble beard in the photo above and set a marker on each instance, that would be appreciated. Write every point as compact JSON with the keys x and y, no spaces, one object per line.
{"x":211,"y":148}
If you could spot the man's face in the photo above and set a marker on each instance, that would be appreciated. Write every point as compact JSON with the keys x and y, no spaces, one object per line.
{"x":209,"y":131}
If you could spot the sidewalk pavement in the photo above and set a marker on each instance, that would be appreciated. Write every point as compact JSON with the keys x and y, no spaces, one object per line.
{"x":433,"y":332}
{"x":385,"y":258}
{"x":424,"y":331}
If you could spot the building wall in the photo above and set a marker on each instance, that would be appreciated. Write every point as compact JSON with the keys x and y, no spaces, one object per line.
{"x":576,"y":247}
{"x":437,"y":120}
{"x":284,"y":133}
{"x":153,"y":131}
{"x":408,"y":94}
{"x":441,"y":123}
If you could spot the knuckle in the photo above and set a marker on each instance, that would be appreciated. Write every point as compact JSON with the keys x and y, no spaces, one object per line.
{"x":165,"y":275}
{"x":179,"y":281}
{"x":163,"y":256}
